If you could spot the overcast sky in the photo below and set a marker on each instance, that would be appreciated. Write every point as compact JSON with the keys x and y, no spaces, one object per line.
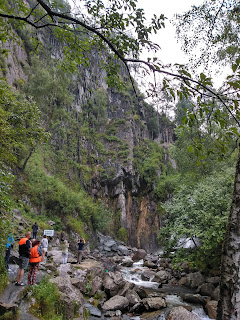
{"x":170,"y":49}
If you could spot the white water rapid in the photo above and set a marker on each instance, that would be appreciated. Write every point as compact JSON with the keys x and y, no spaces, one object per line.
{"x":133,"y":275}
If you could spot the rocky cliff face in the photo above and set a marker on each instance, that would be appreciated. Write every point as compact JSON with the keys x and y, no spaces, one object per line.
{"x":108,"y":138}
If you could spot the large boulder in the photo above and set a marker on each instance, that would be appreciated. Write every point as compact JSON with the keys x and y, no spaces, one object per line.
{"x":116,"y":303}
{"x":80,"y":284}
{"x":123,"y":250}
{"x":194,"y":280}
{"x":154,"y":303}
{"x":211,"y":308}
{"x":128,"y":286}
{"x":113,"y":282}
{"x":216,"y":294}
{"x":96,"y":285}
{"x":133,"y":297}
{"x":150,"y":264}
{"x":214,"y":280}
{"x":207,"y":289}
{"x":193,"y":298}
{"x":127,"y":262}
{"x":180,"y":313}
{"x":147,"y":275}
{"x":162,"y":276}
{"x":64,"y":269}
{"x":92,"y":267}
{"x":65,"y":286}
{"x":139,"y":254}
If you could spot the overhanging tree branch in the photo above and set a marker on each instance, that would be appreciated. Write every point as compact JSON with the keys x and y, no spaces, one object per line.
{"x":69,"y":19}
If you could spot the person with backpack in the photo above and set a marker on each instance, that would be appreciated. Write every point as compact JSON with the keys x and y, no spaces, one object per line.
{"x":24,"y":253}
{"x":34,"y":261}
{"x":81,"y":243}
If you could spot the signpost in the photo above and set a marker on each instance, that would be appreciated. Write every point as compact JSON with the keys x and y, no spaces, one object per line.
{"x":49,"y":233}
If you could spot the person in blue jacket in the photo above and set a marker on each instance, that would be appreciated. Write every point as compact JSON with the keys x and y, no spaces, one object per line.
{"x":9,"y":246}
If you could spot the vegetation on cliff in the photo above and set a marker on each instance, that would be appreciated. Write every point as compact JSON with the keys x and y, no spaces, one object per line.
{"x":210,"y":108}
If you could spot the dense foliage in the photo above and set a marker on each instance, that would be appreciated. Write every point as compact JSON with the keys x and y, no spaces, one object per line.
{"x":199,"y":213}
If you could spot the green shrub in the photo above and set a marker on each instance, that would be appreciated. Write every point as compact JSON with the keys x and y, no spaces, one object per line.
{"x":47,"y":304}
{"x":122,"y":235}
{"x":76,"y":225}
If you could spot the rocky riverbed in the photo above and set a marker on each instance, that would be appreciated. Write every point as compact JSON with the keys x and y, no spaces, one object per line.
{"x":119,"y":283}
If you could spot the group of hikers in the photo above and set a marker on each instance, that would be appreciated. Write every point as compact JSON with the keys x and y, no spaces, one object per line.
{"x":31,"y":253}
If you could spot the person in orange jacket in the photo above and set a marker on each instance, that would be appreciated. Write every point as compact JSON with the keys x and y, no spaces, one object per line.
{"x":24,"y":251}
{"x":35,"y":259}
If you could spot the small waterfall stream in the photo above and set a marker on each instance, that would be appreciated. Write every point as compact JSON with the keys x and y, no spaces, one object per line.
{"x":133,"y":275}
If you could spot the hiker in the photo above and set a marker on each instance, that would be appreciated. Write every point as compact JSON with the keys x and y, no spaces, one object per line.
{"x":24,"y":253}
{"x":9,"y":246}
{"x":65,"y":246}
{"x":81,"y":243}
{"x":44,"y":247}
{"x":35,"y":259}
{"x":35,"y":230}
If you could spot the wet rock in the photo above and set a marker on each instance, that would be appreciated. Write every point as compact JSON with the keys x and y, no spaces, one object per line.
{"x":115,"y":314}
{"x":180,"y":313}
{"x":139,"y":254}
{"x":127,"y":262}
{"x":150,"y":264}
{"x":128,"y":286}
{"x":132,"y":297}
{"x":154,"y":303}
{"x":211,"y":308}
{"x":93,"y":310}
{"x":162,"y":276}
{"x":216,"y":294}
{"x":207,"y":289}
{"x":141,"y":292}
{"x":113,"y":282}
{"x":194,"y":280}
{"x":147,"y":275}
{"x":163,"y":263}
{"x":116,"y":303}
{"x":193,"y":298}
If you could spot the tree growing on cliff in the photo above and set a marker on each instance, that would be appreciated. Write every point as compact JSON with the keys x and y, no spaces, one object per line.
{"x":107,"y":27}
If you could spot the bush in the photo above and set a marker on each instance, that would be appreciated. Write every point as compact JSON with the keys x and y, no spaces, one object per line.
{"x":122,"y":235}
{"x":47,"y":304}
{"x":199,"y":212}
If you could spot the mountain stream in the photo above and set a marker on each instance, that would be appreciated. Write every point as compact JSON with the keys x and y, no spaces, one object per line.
{"x":133,"y":275}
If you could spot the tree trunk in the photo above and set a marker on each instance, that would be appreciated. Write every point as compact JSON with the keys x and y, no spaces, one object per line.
{"x":229,"y":304}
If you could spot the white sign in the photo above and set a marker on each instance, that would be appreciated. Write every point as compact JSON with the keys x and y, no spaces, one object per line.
{"x":49,"y":233}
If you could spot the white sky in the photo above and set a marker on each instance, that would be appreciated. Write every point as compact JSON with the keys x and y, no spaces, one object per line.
{"x":170,"y":49}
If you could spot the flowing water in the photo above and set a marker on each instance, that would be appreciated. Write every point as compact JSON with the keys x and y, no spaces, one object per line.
{"x":172,"y":298}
